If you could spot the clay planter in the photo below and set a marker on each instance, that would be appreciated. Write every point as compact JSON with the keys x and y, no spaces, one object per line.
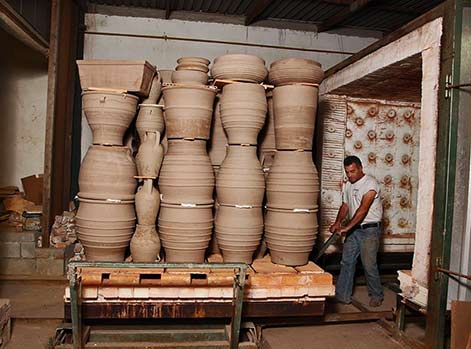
{"x":295,"y":108}
{"x":290,"y":235}
{"x":105,"y":228}
{"x":185,"y":231}
{"x":147,"y":203}
{"x":107,"y":173}
{"x":188,"y":111}
{"x":295,"y":70}
{"x":189,"y":77}
{"x":149,"y":119}
{"x":240,"y":180}
{"x":150,"y":155}
{"x":243,"y":111}
{"x":145,"y":244}
{"x":155,"y":90}
{"x":186,"y":175}
{"x":238,"y":232}
{"x":218,"y":141}
{"x":293,"y":181}
{"x":239,"y":67}
{"x":109,"y":114}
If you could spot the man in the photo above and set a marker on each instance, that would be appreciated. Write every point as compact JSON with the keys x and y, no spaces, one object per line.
{"x":362,"y":205}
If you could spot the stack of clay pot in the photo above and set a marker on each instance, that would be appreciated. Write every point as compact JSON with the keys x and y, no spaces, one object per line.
{"x":186,"y":179}
{"x":106,"y":215}
{"x":293,"y":185}
{"x":240,"y":182}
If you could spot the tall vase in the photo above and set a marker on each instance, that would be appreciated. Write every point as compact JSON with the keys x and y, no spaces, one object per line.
{"x":147,"y":203}
{"x":145,"y":244}
{"x":150,"y":155}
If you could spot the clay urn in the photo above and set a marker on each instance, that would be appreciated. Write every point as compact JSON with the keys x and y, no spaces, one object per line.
{"x":150,"y":155}
{"x":239,"y":67}
{"x":145,"y":244}
{"x":295,"y":70}
{"x":149,"y":119}
{"x":147,"y":203}
{"x":189,"y":77}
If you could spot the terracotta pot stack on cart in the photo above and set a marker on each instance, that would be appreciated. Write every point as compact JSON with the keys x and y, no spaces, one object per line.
{"x":293,"y":186}
{"x":106,"y":215}
{"x":186,"y":179}
{"x":240,"y":183}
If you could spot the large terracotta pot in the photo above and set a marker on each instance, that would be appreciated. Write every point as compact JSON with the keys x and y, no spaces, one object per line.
{"x":109,"y":114}
{"x":243,"y":111}
{"x":185,"y":231}
{"x":186,"y":175}
{"x":155,"y":90}
{"x":293,"y":181}
{"x":105,"y":228}
{"x":188,"y":111}
{"x":295,"y":108}
{"x":295,"y":70}
{"x":238,"y":232}
{"x":149,"y":119}
{"x":200,"y":60}
{"x":218,"y":141}
{"x":240,"y":180}
{"x":239,"y":67}
{"x":189,"y":77}
{"x":290,"y":235}
{"x":107,"y":173}
{"x":147,"y":203}
{"x":266,"y":138}
{"x":145,"y":244}
{"x":150,"y":155}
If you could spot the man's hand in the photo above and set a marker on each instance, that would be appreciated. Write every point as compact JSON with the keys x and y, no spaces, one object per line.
{"x":343,"y":231}
{"x":334,"y":227}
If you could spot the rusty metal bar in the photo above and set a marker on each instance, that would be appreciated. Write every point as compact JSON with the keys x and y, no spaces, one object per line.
{"x":454,"y":273}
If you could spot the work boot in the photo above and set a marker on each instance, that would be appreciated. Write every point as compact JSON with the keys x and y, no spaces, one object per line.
{"x":374,"y":303}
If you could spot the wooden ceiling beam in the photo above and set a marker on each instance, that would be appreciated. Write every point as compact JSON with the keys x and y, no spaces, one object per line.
{"x":167,"y":9}
{"x":341,"y":16}
{"x":255,"y":9}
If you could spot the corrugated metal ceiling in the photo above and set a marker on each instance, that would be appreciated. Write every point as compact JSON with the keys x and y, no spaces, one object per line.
{"x":382,"y":15}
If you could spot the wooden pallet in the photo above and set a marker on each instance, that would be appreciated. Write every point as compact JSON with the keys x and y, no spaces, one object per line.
{"x":265,"y":281}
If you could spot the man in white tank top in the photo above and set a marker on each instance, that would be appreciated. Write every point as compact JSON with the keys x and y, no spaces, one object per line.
{"x":362,"y":211}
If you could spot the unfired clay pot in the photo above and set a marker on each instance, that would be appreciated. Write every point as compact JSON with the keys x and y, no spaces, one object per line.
{"x":107,"y":173}
{"x":293,"y":181}
{"x":243,"y":111}
{"x":193,"y":66}
{"x":218,"y":141}
{"x":189,"y":77}
{"x":109,"y":114}
{"x":150,"y":155}
{"x":188,"y":111}
{"x":290,"y":235}
{"x":155,"y":90}
{"x":145,"y":244}
{"x":295,"y":108}
{"x":266,"y":138}
{"x":295,"y":70}
{"x":147,"y":203}
{"x":149,"y":119}
{"x":239,"y":67}
{"x":240,"y":180}
{"x":185,"y":231}
{"x":238,"y":232}
{"x":186,"y":175}
{"x":105,"y":228}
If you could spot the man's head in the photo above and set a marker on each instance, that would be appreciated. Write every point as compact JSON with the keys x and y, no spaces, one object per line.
{"x":353,"y":168}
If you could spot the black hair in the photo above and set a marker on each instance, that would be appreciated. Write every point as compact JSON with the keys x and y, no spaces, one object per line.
{"x":352,"y":159}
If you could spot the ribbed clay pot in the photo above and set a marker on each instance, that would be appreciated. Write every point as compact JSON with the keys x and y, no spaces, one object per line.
{"x":295,"y":70}
{"x":238,"y":232}
{"x":293,"y":181}
{"x":185,"y":231}
{"x":147,"y":203}
{"x":192,"y":66}
{"x":155,"y":90}
{"x":105,"y":228}
{"x":243,"y":111}
{"x":150,"y":155}
{"x":266,"y":138}
{"x":189,"y":77}
{"x":295,"y":108}
{"x":199,"y":60}
{"x":109,"y":114}
{"x":239,"y":67}
{"x":188,"y":111}
{"x":145,"y":244}
{"x":186,"y":175}
{"x":290,"y":235}
{"x":218,"y":141}
{"x":149,"y":119}
{"x":240,"y":180}
{"x":107,"y":173}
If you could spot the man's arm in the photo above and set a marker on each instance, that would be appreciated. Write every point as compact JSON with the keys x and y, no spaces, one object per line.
{"x":361,"y":212}
{"x":341,"y":215}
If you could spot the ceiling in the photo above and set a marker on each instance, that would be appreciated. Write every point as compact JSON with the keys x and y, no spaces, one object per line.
{"x":377,"y":15}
